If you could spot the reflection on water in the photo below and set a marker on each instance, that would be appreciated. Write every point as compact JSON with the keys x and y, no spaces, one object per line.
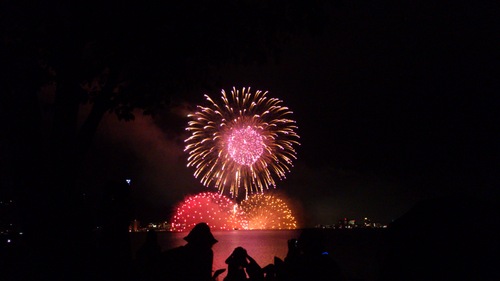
{"x":358,"y":252}
{"x":262,"y":245}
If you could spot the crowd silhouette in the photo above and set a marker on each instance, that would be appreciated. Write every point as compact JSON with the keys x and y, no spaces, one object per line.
{"x":193,"y":261}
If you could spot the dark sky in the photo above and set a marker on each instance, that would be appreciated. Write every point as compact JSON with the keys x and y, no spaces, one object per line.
{"x":395,"y":103}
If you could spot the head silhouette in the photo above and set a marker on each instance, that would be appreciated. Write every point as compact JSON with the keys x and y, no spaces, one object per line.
{"x":200,"y":235}
{"x":238,"y":257}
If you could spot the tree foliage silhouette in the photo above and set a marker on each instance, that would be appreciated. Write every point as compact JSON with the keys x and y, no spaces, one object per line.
{"x":118,"y":57}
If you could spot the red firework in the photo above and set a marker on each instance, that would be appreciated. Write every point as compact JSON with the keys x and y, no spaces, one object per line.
{"x":217,"y":210}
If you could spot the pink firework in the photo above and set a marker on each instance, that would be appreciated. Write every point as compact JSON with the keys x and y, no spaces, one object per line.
{"x":245,"y":145}
{"x":217,"y":210}
{"x":245,"y":142}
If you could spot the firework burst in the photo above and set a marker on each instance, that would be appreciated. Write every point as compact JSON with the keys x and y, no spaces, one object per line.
{"x":217,"y":210}
{"x":245,"y":142}
{"x":267,"y":211}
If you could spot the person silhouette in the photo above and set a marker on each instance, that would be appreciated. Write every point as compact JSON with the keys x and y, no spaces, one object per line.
{"x":242,"y":267}
{"x":236,"y":264}
{"x":308,"y":257}
{"x":254,"y":270}
{"x":192,"y":261}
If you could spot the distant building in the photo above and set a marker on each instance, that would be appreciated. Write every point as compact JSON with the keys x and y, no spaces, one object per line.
{"x":345,"y":223}
{"x":352,"y":224}
{"x":342,"y":223}
{"x":134,"y":226}
{"x":367,"y":222}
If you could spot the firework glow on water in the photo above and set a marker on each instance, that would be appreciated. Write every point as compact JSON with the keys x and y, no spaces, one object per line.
{"x":247,"y":141}
{"x":267,"y":211}
{"x":217,"y":210}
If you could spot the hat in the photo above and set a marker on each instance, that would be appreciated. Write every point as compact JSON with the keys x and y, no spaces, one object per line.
{"x":201,"y":234}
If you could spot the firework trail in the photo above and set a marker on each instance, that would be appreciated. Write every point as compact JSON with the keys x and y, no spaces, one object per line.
{"x":267,"y":211}
{"x":217,"y":210}
{"x":245,"y":142}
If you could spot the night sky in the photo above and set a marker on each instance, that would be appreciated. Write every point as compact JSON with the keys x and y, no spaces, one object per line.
{"x":395,"y":102}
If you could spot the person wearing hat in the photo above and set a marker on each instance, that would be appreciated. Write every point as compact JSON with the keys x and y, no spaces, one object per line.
{"x":193,"y":261}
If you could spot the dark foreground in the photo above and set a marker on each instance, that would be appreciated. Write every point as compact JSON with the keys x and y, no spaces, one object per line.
{"x":442,"y":239}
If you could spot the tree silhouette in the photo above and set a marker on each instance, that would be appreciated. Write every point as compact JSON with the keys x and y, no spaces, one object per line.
{"x":118,"y":57}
